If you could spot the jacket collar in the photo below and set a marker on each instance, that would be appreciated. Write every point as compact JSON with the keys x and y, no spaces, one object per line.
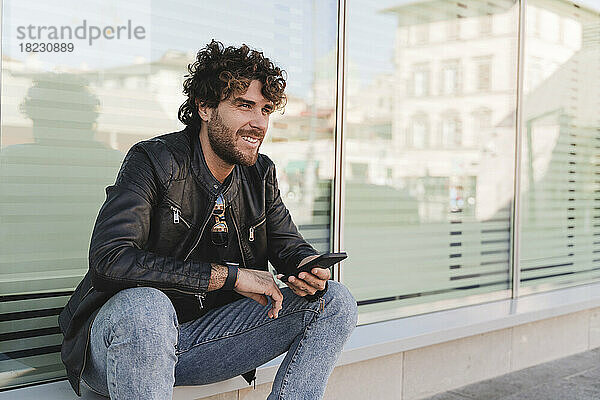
{"x":203,"y":175}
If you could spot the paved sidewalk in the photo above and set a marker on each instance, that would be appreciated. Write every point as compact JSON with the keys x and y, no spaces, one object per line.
{"x":572,"y":378}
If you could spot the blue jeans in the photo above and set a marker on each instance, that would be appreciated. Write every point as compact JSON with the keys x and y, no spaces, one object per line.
{"x":139,"y":350}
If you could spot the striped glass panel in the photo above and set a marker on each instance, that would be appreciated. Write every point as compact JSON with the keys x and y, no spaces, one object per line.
{"x":68,"y":118}
{"x":560,"y":226}
{"x":429,"y":153}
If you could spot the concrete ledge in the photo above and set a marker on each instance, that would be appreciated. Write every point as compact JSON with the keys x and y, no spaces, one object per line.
{"x":383,"y":338}
{"x":391,"y":337}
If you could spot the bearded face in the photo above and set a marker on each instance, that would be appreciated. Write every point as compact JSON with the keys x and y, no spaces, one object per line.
{"x":233,"y":146}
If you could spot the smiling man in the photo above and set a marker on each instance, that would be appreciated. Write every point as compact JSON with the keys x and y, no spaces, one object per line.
{"x":178,"y":290}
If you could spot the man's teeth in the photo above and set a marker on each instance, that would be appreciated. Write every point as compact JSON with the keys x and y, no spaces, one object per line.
{"x":249,"y":139}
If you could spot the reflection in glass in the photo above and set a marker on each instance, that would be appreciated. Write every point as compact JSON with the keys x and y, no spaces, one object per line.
{"x":52,"y":179}
{"x":428,"y":206}
{"x":64,"y":135}
{"x":559,"y":164}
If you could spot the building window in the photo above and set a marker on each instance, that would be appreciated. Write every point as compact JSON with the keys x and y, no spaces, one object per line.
{"x":483,"y":76}
{"x":451,"y":130}
{"x":480,"y":131}
{"x":453,"y":29}
{"x":421,"y":32}
{"x":419,"y":131}
{"x":486,"y":25}
{"x":420,"y":80}
{"x":484,"y":73}
{"x":482,"y":119}
{"x":389,"y":173}
{"x":450,"y":78}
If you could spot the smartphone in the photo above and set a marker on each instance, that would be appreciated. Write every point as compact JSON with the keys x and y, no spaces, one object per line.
{"x":323,"y":261}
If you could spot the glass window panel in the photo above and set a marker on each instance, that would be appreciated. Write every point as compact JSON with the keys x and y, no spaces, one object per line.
{"x":68,"y":117}
{"x":435,"y":232}
{"x":560,"y":158}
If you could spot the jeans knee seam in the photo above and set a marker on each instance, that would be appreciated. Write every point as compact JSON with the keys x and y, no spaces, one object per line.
{"x":113,"y":382}
{"x":245,"y":331}
{"x":287,"y":372}
{"x":177,"y":339}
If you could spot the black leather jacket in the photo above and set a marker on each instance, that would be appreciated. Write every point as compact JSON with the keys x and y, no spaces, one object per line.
{"x":148,"y":229}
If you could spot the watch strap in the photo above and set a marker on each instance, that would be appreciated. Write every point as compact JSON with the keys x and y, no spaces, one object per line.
{"x":232,"y":272}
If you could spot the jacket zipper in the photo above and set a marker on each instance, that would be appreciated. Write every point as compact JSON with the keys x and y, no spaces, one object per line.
{"x":200,"y":296}
{"x":238,"y":238}
{"x":177,"y":216}
{"x":200,"y":235}
{"x":252,"y":228}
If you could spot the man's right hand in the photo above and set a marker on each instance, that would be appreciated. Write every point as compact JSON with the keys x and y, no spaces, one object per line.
{"x":257,"y":285}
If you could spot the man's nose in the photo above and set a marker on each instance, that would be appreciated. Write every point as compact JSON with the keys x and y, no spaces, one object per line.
{"x":260,"y":121}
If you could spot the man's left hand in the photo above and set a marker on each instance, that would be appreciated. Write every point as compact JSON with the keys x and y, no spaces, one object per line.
{"x":308,"y":283}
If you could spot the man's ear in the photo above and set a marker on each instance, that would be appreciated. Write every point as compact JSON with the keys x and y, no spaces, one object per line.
{"x":204,"y":111}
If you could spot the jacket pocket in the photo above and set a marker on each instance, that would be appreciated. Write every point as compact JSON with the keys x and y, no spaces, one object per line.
{"x":178,"y":218}
{"x":177,"y":213}
{"x":170,"y":229}
{"x":255,"y":240}
{"x":253,"y":228}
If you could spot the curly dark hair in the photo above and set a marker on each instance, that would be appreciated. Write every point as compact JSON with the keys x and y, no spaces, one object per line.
{"x":220,"y":72}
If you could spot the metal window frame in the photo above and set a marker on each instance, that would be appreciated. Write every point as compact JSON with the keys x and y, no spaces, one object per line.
{"x":516,"y":215}
{"x":339,"y":183}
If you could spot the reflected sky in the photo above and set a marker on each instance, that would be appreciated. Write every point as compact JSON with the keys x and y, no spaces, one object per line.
{"x":292,"y":34}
